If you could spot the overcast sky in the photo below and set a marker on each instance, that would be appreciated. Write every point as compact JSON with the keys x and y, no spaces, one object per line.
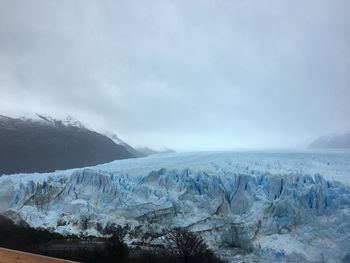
{"x":188,"y":75}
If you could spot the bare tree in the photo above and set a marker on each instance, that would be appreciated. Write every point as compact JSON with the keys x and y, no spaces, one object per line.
{"x":188,"y":247}
{"x":115,"y":230}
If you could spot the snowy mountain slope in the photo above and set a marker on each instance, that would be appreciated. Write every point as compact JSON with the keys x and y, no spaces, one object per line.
{"x":43,"y":144}
{"x":129,"y":148}
{"x":283,"y":207}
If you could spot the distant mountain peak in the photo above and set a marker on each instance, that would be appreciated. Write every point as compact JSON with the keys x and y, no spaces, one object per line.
{"x":68,"y":121}
{"x":43,"y":119}
{"x":149,"y":151}
{"x":114,"y":137}
{"x":333,"y":141}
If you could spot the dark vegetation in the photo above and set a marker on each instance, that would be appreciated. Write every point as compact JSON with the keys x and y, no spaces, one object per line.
{"x":44,"y":146}
{"x":180,"y":246}
{"x":40,"y":241}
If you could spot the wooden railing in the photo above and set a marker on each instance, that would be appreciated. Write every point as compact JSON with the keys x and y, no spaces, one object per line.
{"x":14,"y":256}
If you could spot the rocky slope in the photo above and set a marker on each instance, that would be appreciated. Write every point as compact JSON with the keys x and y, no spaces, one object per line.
{"x":260,"y":207}
{"x":44,"y":144}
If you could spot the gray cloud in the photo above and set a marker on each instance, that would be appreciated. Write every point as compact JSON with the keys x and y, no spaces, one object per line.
{"x":183,"y":74}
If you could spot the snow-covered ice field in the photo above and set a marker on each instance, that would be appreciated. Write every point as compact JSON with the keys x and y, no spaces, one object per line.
{"x":266,"y":206}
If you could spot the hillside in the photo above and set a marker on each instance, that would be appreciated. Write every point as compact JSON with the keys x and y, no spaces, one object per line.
{"x":332,"y":142}
{"x":45,"y":144}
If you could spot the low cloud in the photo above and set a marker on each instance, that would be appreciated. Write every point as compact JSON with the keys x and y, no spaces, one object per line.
{"x":189,"y":75}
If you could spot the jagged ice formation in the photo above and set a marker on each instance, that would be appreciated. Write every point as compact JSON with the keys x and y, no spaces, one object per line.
{"x":283,"y":207}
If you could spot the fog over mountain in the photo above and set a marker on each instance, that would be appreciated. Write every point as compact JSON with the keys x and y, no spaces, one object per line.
{"x":332,"y":142}
{"x":187,"y":75}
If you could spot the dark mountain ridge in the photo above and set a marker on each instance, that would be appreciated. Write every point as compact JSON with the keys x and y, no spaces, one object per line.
{"x":46,"y":144}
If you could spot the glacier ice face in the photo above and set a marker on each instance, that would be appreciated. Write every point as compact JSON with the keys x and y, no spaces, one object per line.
{"x":273,"y":206}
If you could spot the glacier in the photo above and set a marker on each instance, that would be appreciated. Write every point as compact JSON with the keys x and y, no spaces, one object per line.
{"x":249,"y":206}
